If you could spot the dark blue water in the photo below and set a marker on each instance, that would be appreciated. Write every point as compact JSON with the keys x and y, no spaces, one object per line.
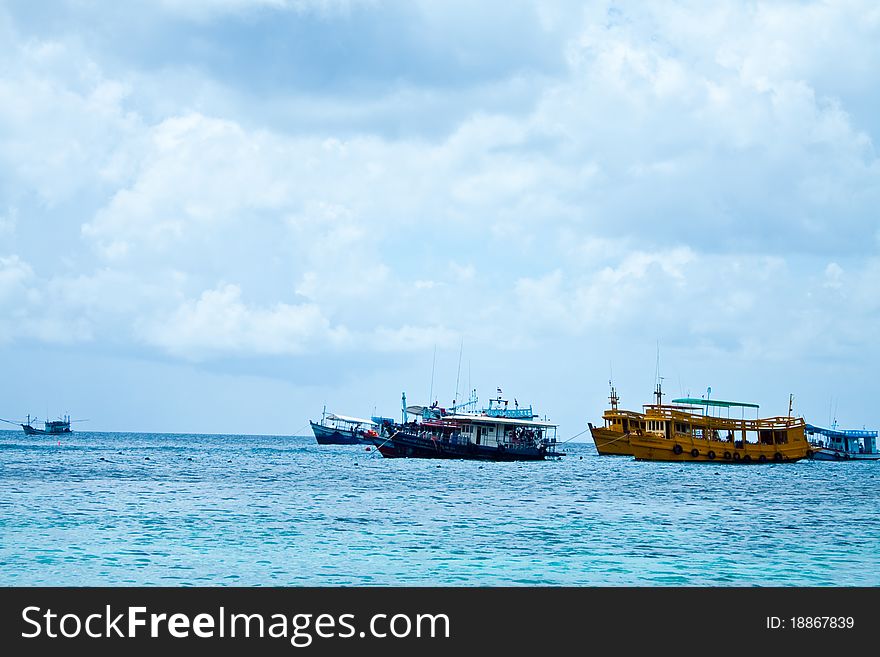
{"x":147,"y":509}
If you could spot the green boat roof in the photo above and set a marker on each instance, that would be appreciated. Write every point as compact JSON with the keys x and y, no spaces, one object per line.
{"x":713,"y":402}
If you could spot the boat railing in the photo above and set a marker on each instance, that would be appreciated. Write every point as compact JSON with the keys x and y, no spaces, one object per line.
{"x":665,"y":413}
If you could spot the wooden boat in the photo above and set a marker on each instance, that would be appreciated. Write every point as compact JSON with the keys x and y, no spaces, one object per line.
{"x":496,"y":433}
{"x":686,"y":430}
{"x":842,"y":444}
{"x":335,"y":429}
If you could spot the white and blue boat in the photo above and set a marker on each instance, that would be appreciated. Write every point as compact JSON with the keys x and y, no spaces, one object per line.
{"x":335,"y":429}
{"x":842,"y":444}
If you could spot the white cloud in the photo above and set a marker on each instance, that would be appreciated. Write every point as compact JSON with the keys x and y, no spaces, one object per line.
{"x":689,"y":155}
{"x":409,"y":338}
{"x":64,"y":122}
{"x":203,"y":9}
{"x":14,"y":275}
{"x":197,"y":173}
{"x":220,"y":323}
{"x":7,"y":223}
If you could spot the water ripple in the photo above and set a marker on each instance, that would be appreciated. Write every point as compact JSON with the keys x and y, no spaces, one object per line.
{"x":189,"y":510}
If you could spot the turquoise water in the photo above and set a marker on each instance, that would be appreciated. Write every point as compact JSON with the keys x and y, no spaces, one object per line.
{"x":148,"y":509}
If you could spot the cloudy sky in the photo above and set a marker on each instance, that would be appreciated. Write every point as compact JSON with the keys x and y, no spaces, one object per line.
{"x":220,"y":215}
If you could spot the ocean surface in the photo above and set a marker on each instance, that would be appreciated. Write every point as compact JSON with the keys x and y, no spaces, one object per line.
{"x":113,"y":509}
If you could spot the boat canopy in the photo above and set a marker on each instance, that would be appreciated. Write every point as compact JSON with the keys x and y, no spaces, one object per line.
{"x":347,"y":418}
{"x":491,"y":419}
{"x":841,"y":433}
{"x":713,"y":402}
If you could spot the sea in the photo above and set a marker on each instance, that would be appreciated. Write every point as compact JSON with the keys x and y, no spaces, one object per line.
{"x":141,"y":509}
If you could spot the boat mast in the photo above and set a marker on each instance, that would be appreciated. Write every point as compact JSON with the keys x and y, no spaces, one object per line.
{"x":613,"y":398}
{"x":458,"y":375}
{"x":658,"y":393}
{"x":433,"y":364}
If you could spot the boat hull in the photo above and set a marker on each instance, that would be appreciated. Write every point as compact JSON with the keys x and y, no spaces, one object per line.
{"x":695,"y":450}
{"x":610,"y":443}
{"x":403,"y":445}
{"x":332,"y":436}
{"x":31,"y":431}
{"x":828,"y":454}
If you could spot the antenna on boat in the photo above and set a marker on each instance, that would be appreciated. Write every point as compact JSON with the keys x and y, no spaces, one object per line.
{"x":790,"y":399}
{"x":658,"y":391}
{"x":458,"y":375}
{"x":614,"y":398}
{"x":433,"y":363}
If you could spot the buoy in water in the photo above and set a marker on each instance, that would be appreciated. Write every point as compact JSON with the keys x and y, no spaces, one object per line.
{"x":368,"y":448}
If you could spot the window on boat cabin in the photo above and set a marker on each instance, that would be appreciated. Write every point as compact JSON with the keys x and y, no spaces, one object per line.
{"x":781,"y":437}
{"x":766,"y":436}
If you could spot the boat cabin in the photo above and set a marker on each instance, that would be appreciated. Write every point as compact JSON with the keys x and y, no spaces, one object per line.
{"x":499,"y":431}
{"x":853,"y":441}
{"x":345,"y":422}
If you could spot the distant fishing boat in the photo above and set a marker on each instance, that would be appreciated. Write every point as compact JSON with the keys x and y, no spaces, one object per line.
{"x":495,"y":433}
{"x":50,"y":427}
{"x":686,"y":430}
{"x":842,"y":444}
{"x":335,"y":429}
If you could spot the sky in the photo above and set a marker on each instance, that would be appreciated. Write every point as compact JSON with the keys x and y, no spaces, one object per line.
{"x":220,"y":216}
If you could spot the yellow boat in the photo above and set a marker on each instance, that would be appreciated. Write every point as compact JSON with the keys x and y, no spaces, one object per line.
{"x":686,"y":430}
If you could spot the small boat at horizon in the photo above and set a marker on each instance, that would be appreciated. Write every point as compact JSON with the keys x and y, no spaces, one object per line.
{"x":50,"y":427}
{"x":495,"y":433}
{"x":842,"y":444}
{"x":336,"y":429}
{"x":685,"y":430}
